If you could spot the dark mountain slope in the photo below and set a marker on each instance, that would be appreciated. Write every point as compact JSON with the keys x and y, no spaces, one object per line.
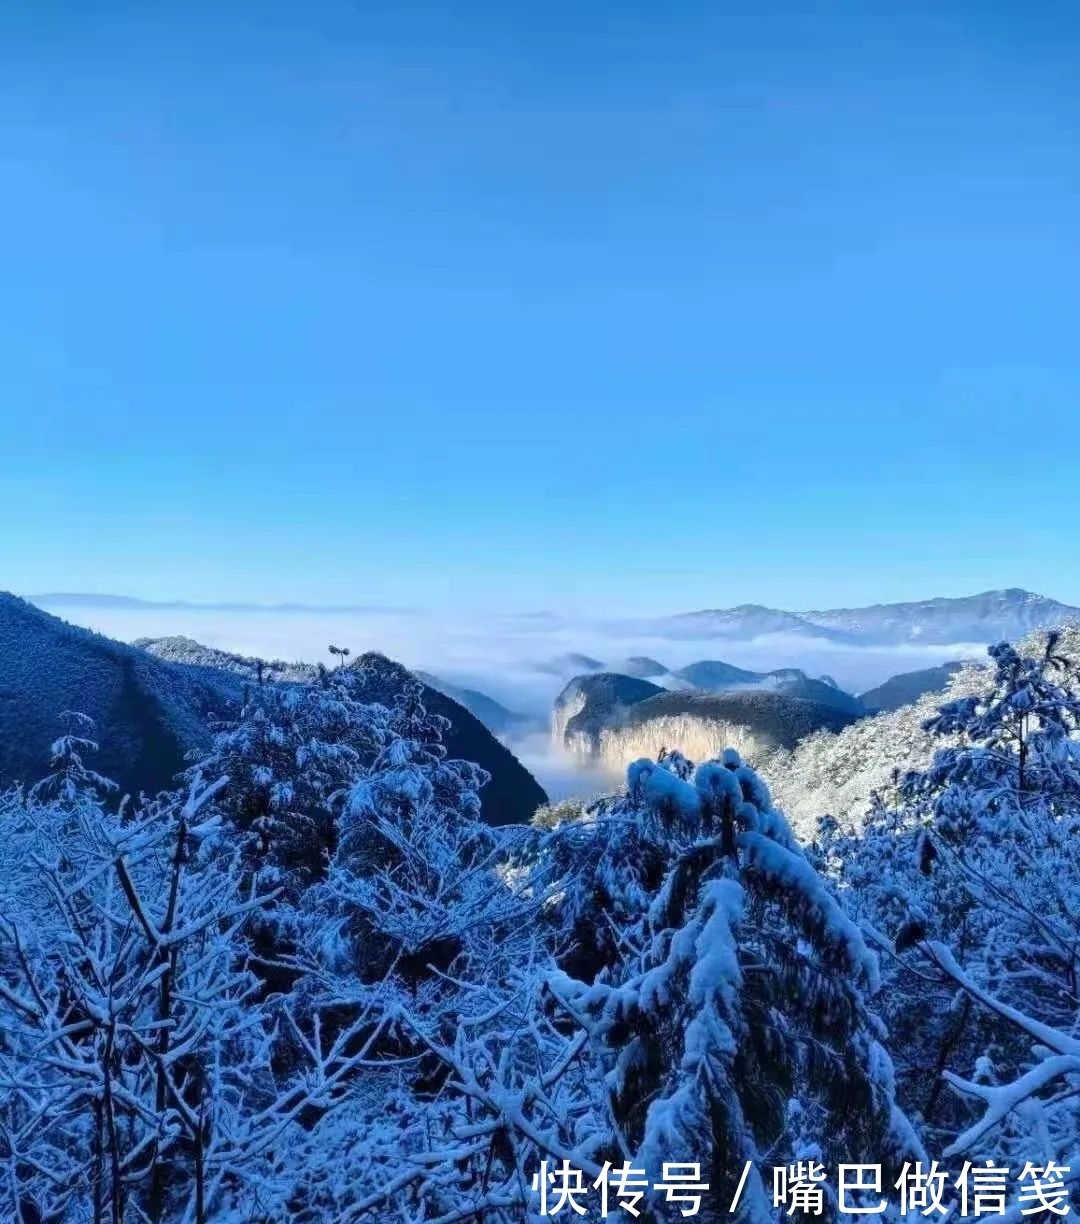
{"x":148,"y":712}
{"x":902,"y":690}
{"x":570,"y":665}
{"x":512,"y":795}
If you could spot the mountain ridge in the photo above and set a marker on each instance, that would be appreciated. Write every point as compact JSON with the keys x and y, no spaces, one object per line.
{"x":981,"y":618}
{"x":512,"y":794}
{"x":1006,"y":613}
{"x":152,"y":710}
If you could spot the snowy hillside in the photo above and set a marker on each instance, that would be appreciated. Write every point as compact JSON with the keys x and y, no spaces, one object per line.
{"x":836,"y":774}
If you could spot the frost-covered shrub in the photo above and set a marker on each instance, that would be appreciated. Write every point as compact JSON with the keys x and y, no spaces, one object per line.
{"x":550,"y":816}
{"x":135,"y":1054}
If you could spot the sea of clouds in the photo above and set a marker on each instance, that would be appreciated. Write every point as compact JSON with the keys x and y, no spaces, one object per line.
{"x":516,"y":659}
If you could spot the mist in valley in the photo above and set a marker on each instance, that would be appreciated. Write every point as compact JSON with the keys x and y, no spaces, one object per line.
{"x":521,"y":661}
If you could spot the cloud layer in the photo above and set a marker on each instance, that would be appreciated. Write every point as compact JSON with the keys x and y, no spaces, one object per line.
{"x":515,"y":659}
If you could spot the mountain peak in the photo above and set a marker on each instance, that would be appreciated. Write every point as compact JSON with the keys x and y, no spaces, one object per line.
{"x":1009,"y":613}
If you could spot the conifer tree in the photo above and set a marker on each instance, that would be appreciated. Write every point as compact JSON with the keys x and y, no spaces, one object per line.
{"x":731,"y":1014}
{"x":291,"y":754}
{"x":71,"y":779}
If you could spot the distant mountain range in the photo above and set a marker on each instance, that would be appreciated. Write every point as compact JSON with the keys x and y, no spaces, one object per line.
{"x":84,"y":599}
{"x":991,"y":616}
{"x":613,"y":717}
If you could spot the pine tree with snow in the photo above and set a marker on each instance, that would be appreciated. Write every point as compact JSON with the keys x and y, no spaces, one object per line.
{"x":419,"y":953}
{"x":292,"y":753}
{"x":731,"y":1011}
{"x":71,"y":779}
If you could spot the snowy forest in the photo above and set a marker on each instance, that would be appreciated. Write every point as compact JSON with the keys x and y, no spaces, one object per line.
{"x":539,"y":612}
{"x":312,"y":984}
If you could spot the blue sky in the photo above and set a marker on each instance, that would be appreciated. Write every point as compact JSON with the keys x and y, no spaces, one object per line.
{"x":543,"y":304}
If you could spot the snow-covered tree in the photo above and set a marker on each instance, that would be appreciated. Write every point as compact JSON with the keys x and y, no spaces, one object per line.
{"x":293,"y":750}
{"x":70,"y":778}
{"x":730,"y":1010}
{"x":134,"y":1051}
{"x":417,"y":950}
{"x":976,"y":875}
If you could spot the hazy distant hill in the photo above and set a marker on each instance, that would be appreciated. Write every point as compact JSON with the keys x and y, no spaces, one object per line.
{"x":569,"y":665}
{"x":739,"y":624}
{"x":641,"y":667}
{"x":715,"y":674}
{"x":712,"y":674}
{"x":498,"y":719}
{"x":60,"y":600}
{"x":991,"y":616}
{"x":901,"y":690}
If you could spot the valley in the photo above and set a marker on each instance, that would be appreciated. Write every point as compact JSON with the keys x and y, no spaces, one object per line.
{"x":524,"y":698}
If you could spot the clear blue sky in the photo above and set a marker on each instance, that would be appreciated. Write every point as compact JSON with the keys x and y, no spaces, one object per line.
{"x":641,"y":305}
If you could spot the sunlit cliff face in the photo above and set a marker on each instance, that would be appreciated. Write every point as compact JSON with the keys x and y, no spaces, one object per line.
{"x":699,"y":739}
